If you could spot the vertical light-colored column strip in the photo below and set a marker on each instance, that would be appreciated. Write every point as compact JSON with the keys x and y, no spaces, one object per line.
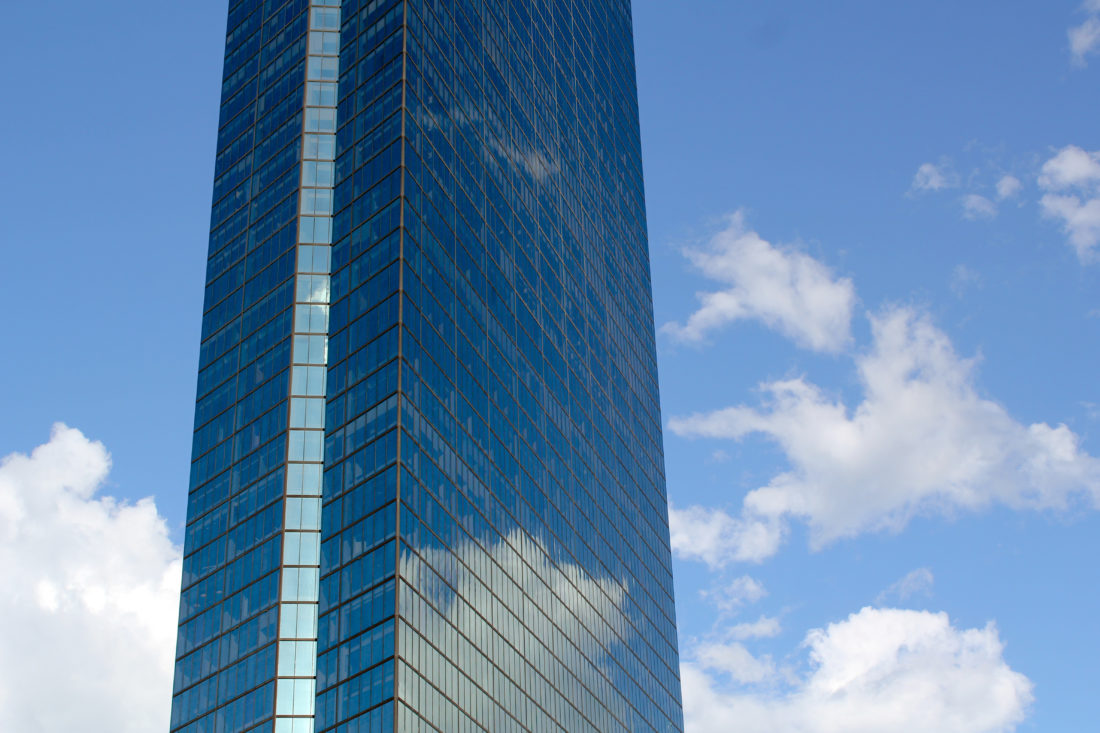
{"x":297,"y":653}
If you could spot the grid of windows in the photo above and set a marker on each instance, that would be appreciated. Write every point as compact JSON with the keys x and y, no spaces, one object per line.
{"x":356,"y":664}
{"x":248,"y":612}
{"x":490,"y":213}
{"x":427,"y":489}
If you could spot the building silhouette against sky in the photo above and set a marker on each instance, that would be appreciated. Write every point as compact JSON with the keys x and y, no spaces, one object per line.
{"x":427,"y":487}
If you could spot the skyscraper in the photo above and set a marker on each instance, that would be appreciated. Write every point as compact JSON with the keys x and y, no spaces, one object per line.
{"x":427,"y":484}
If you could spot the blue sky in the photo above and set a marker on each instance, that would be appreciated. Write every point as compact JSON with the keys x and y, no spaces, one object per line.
{"x":874,"y":232}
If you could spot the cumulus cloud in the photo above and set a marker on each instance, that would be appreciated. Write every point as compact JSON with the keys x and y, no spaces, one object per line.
{"x":878,"y":670}
{"x":922,"y":440}
{"x":1071,"y":184}
{"x":91,"y":591}
{"x":933,"y":177}
{"x":1084,"y":39}
{"x":976,"y":206}
{"x":731,"y":659}
{"x":716,"y":538}
{"x":1008,"y":186}
{"x":785,"y":289}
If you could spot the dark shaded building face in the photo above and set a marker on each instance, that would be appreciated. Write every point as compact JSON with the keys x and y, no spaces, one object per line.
{"x":427,"y":487}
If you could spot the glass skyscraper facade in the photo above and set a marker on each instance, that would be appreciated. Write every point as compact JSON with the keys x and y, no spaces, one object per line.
{"x":427,"y":488}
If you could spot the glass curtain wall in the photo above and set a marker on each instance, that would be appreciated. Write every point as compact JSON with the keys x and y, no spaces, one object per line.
{"x":428,"y":488}
{"x":535,"y":583}
{"x":246,"y":650}
{"x":492,"y":328}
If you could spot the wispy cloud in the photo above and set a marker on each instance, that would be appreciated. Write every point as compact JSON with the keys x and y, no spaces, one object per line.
{"x":91,"y":591}
{"x":764,"y":627}
{"x":732,"y":595}
{"x":916,"y":582}
{"x":976,"y":206}
{"x":1084,"y":39}
{"x":779,"y":286}
{"x":983,"y":188}
{"x":963,"y":279}
{"x":719,"y":456}
{"x":1008,"y":186}
{"x":934,"y":177}
{"x":878,"y":670}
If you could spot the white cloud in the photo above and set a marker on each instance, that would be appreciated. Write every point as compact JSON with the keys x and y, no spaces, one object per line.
{"x":91,"y":592}
{"x":1084,"y":39}
{"x":716,"y":538}
{"x":764,"y":627}
{"x":932,"y":177}
{"x":1071,"y":182}
{"x":736,"y":593}
{"x":785,"y":289}
{"x":976,"y":206}
{"x":731,"y":659}
{"x":916,"y":582}
{"x":726,"y":654}
{"x":878,"y":670}
{"x":1080,"y":219}
{"x":1008,"y":186}
{"x":1070,"y":167}
{"x":921,"y":441}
